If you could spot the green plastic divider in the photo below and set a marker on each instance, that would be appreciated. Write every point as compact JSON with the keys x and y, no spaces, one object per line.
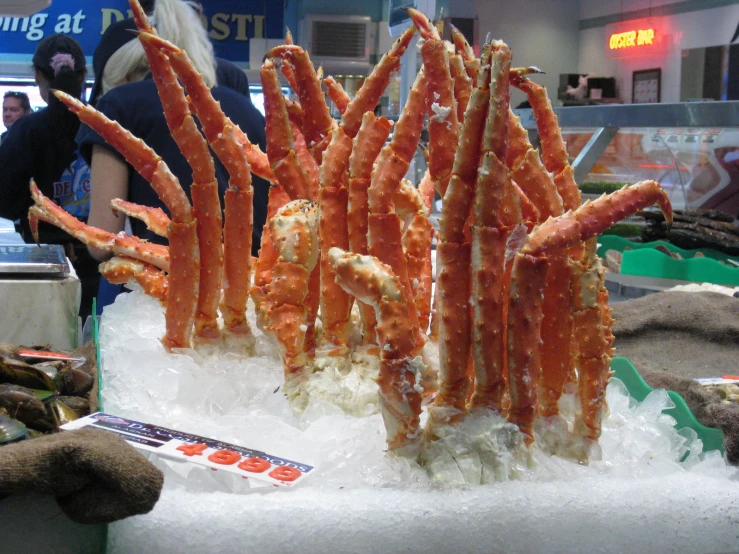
{"x":614,"y":242}
{"x":96,"y":339}
{"x":653,"y":263}
{"x":624,"y":371}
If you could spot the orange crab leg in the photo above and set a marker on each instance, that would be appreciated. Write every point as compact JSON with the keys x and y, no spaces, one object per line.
{"x":453,"y":256}
{"x":223,"y":136}
{"x":440,"y":105}
{"x":337,"y":94}
{"x":267,"y":255}
{"x":462,"y":84}
{"x":596,"y":216}
{"x":375,"y":84}
{"x":335,"y":303}
{"x":280,"y":147}
{"x":374,"y":283}
{"x":209,"y":113}
{"x":385,"y":237}
{"x":119,"y":270}
{"x":317,"y":122}
{"x":185,"y":254}
{"x":366,"y":146}
{"x":120,"y":244}
{"x":154,"y":218}
{"x":286,"y":68}
{"x":410,"y":206}
{"x":307,"y":163}
{"x":138,"y":154}
{"x":497,"y":210}
{"x":471,"y":63}
{"x":294,"y":233}
{"x":204,"y":188}
{"x":594,"y":356}
{"x":529,"y":277}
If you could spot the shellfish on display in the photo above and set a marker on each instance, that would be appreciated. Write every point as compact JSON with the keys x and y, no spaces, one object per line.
{"x":520,"y":307}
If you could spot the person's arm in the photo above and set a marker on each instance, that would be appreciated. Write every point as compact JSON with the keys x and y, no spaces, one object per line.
{"x":109,"y":176}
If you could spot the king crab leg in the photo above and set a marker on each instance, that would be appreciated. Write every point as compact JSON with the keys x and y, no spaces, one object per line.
{"x":154,"y":218}
{"x":366,"y":147}
{"x":120,"y":244}
{"x":317,"y":122}
{"x":453,"y":281}
{"x":293,"y":230}
{"x":335,"y":303}
{"x":223,"y":138}
{"x":183,"y":240}
{"x":529,"y":276}
{"x":204,"y":188}
{"x":471,"y":63}
{"x":374,"y":283}
{"x":119,"y":270}
{"x":441,"y":108}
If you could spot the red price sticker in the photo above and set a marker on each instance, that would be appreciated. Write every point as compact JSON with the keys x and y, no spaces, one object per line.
{"x":194,"y":449}
{"x":224,"y":457}
{"x":285,"y":473}
{"x":255,"y":465}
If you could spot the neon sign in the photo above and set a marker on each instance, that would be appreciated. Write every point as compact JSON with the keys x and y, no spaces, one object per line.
{"x":628,"y":39}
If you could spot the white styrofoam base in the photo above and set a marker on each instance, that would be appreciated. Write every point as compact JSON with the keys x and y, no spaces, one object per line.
{"x":681,"y":513}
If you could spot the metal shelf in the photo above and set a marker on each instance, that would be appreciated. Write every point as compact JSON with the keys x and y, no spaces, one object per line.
{"x":609,"y":118}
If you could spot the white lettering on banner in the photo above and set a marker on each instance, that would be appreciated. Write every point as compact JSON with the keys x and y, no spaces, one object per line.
{"x":111,"y":15}
{"x":33,"y":26}
{"x":29,"y":25}
{"x":220,"y":28}
{"x":64,"y":24}
{"x":77,"y":19}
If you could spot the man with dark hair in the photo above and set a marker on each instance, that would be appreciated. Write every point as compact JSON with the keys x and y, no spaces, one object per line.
{"x":15,"y":106}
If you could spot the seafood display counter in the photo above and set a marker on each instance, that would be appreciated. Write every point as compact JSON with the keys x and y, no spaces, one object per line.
{"x":39,"y":295}
{"x":691,"y":148}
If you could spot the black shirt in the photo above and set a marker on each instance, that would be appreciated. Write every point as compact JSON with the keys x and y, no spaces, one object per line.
{"x":31,"y":150}
{"x":137,"y":107}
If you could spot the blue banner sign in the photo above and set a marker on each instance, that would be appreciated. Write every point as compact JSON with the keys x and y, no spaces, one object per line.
{"x":230,"y":23}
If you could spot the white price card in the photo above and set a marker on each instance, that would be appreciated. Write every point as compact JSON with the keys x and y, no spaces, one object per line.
{"x":211,"y":453}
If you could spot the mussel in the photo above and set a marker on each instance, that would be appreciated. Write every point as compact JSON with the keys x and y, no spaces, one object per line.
{"x":11,"y":430}
{"x":16,"y":372}
{"x":20,"y":403}
{"x":74,"y":382}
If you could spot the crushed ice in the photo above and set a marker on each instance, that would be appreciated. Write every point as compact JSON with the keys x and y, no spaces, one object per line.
{"x":240,"y":400}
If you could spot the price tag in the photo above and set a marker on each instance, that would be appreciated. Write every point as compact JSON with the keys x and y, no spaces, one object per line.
{"x":202,"y":451}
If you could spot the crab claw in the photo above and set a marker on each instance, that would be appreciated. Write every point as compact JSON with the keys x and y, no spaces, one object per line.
{"x":595,"y":217}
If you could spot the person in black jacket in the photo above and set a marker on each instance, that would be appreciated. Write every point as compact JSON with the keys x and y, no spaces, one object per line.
{"x":41,"y":146}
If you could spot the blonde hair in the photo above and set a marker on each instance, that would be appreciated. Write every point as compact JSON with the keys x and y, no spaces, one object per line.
{"x":177,"y":22}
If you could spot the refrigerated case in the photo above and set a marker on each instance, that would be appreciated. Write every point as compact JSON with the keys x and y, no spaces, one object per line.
{"x":691,"y":148}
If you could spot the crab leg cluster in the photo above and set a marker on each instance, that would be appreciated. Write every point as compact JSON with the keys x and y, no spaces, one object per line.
{"x":520,"y":306}
{"x":509,"y":258}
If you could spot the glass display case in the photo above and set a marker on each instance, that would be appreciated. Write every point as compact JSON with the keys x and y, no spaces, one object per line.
{"x":691,"y":148}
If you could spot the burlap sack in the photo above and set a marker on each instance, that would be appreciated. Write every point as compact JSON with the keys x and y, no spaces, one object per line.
{"x":688,"y":334}
{"x":674,"y":337}
{"x":95,"y":476}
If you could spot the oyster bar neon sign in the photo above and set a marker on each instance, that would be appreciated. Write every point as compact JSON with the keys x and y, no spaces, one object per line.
{"x":630,"y":39}
{"x":636,"y":38}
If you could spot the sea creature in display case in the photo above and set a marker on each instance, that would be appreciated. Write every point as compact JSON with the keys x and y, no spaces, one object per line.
{"x":520,"y":307}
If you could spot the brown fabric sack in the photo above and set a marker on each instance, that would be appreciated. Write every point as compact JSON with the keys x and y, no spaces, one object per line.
{"x":95,"y":476}
{"x":674,"y":337}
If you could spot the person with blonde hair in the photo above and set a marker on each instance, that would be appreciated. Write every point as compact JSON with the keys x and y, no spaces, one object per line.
{"x":129,"y":96}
